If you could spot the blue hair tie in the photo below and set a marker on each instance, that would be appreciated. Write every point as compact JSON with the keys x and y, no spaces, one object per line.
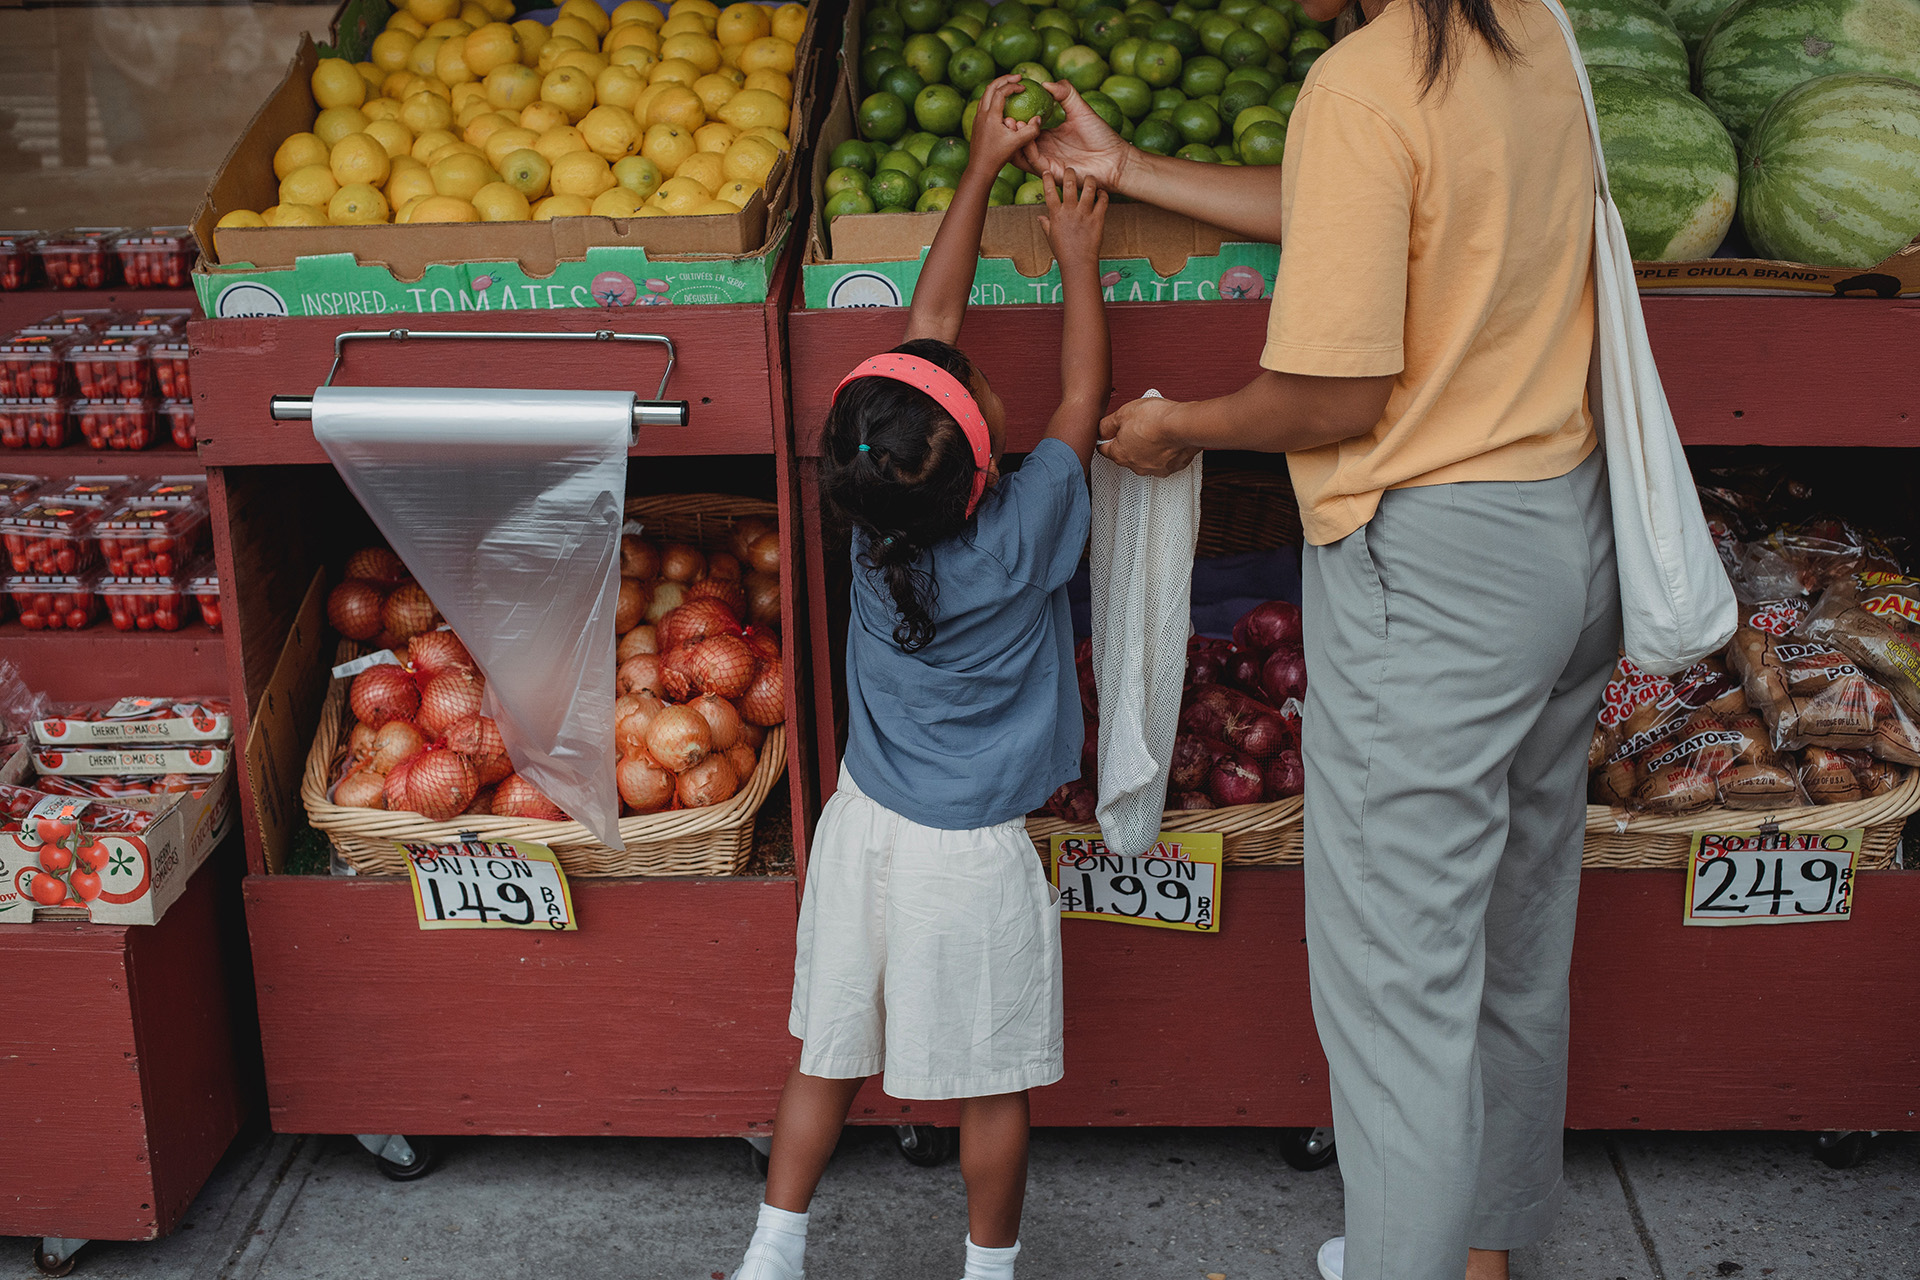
{"x":866,"y":448}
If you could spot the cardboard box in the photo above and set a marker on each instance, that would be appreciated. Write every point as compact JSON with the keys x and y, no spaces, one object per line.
{"x":502,"y":266}
{"x":1897,"y":277}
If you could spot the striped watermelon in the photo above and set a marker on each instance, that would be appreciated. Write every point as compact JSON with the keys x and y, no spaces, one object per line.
{"x":1831,"y":175}
{"x":1694,"y":18}
{"x":1629,"y":33}
{"x":1759,"y":49}
{"x":1669,"y":162}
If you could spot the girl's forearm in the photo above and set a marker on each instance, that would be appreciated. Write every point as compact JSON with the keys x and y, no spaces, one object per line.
{"x":1243,"y":200}
{"x":1086,"y":359}
{"x":946,"y":281}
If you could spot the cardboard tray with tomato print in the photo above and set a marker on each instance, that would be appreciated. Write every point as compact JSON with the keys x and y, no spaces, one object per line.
{"x":125,"y":722}
{"x":109,"y":762}
{"x":54,"y":868}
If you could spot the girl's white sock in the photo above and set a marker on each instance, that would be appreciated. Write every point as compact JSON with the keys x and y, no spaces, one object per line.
{"x":778,"y":1248}
{"x":990,"y":1264}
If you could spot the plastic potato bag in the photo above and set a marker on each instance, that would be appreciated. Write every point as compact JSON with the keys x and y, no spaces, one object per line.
{"x":1675,"y":745}
{"x":1810,"y":690}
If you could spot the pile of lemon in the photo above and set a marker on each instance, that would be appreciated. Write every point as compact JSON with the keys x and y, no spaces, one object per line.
{"x":461,"y":116}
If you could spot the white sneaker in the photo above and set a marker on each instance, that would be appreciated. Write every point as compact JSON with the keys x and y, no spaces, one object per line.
{"x":1333,"y":1258}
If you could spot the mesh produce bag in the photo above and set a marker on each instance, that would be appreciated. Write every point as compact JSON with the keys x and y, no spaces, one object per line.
{"x":1144,"y":531}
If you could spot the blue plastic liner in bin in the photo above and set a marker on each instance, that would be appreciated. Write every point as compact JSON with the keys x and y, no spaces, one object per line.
{"x":1225,"y":588}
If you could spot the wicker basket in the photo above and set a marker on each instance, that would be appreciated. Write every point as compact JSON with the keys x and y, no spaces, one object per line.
{"x":689,"y":842}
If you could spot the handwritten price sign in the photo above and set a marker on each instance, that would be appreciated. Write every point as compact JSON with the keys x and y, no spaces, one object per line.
{"x":504,"y":884}
{"x":1771,"y":877}
{"x":1175,"y":886}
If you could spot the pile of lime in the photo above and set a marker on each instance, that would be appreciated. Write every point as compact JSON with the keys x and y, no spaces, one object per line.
{"x":1209,"y":80}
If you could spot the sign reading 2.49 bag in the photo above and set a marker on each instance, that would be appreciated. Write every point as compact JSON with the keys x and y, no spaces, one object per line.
{"x":1772,"y":877}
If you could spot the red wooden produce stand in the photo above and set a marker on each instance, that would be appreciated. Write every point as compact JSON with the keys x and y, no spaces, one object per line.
{"x":1673,"y":1028}
{"x":665,"y":1014}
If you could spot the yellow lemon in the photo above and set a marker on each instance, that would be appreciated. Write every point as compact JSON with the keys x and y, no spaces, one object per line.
{"x":533,"y":37}
{"x":723,"y":208}
{"x":450,"y":63}
{"x":732,"y":72}
{"x":432,"y":11}
{"x":429,"y":142}
{"x":381,"y":108}
{"x":713,"y":92}
{"x":616,"y":202}
{"x":751,"y":107}
{"x":498,"y":10}
{"x":739,"y":23}
{"x":653,"y":211}
{"x":359,"y":158}
{"x":642,"y":103}
{"x":297,"y":152}
{"x":736,"y":193}
{"x":638,"y":175}
{"x":396,"y":84}
{"x":674,"y":71}
{"x":457,"y":149}
{"x":499,"y":202}
{"x":700,"y":50}
{"x":474,"y":15}
{"x":641,"y":61}
{"x":611,"y":132}
{"x":618,"y":87}
{"x":574,"y":29}
{"x":561,"y":140}
{"x":773,"y":82}
{"x":372,"y":75}
{"x":356,"y":204}
{"x":505,"y":142}
{"x":445,"y":209}
{"x":641,"y":11}
{"x":407,"y":184}
{"x":569,"y":89}
{"x":240,"y":218}
{"x":750,"y":160}
{"x":483,"y":127}
{"x":401,"y":20}
{"x":685,"y":24}
{"x":580,"y":173}
{"x":297,"y":215}
{"x":562,"y":207}
{"x":705,"y":8}
{"x":465,"y":116}
{"x":512,"y":88}
{"x":336,"y":123}
{"x":589,"y":12}
{"x":667,"y":146}
{"x":403,"y":214}
{"x":677,"y":105}
{"x":526,"y":171}
{"x":542,"y":116}
{"x":494,"y":45}
{"x":582,"y":60}
{"x":312,"y":184}
{"x":468,"y":92}
{"x":631,"y":35}
{"x":705,"y":168}
{"x":461,"y":175}
{"x":395,"y":138}
{"x":789,"y":22}
{"x":550,"y":52}
{"x":420,"y":58}
{"x":429,"y":85}
{"x":450,"y":29}
{"x":769,"y":53}
{"x":715,"y":136}
{"x":777,"y":138}
{"x":679,"y":195}
{"x":337,"y":83}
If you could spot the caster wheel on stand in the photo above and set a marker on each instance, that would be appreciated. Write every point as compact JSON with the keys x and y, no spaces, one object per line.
{"x":56,"y":1257}
{"x":1307,"y":1149}
{"x":1842,"y":1150}
{"x":399,"y":1157}
{"x":924,"y":1145}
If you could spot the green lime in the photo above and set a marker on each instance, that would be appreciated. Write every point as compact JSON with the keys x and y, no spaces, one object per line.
{"x":977,"y":10}
{"x":1032,"y":101}
{"x":1082,"y":68}
{"x":955,"y":39}
{"x":923,"y":15}
{"x":968,"y":23}
{"x":847,"y":179}
{"x":884,"y":22}
{"x":1199,"y":151}
{"x":1212,"y":100}
{"x":897,"y":162}
{"x":887,"y":40}
{"x":1010,"y":13}
{"x":1001,"y":194}
{"x":966,"y":119}
{"x":1156,"y":136}
{"x":1214,"y":30}
{"x":894,"y":187}
{"x":934,"y":200}
{"x":894,"y":208}
{"x":1300,"y":63}
{"x":1146,"y":11}
{"x":1244,"y":48}
{"x":1244,"y":120}
{"x":928,"y":56}
{"x":1158,"y":63}
{"x":949,"y":153}
{"x":1106,"y":108}
{"x":1180,"y":35}
{"x":1121,"y":57}
{"x":1283,"y":98}
{"x":1011,"y":45}
{"x":1032,"y":191}
{"x":904,"y":82}
{"x":842,"y":203}
{"x":937,"y":109}
{"x":1167,"y":99}
{"x":1060,"y":18}
{"x":935,"y":176}
{"x":1197,"y":122}
{"x":1262,"y":142}
{"x":1238,"y":96}
{"x":1104,"y":27}
{"x":874,"y":66}
{"x":970,"y":68}
{"x":1130,"y":94}
{"x":1012,"y":173}
{"x":853,"y":154}
{"x":1162,"y":113}
{"x":1239,"y":9}
{"x":1305,"y":40}
{"x":1200,"y":76}
{"x":1271,"y":25}
{"x":1181,"y":11}
{"x":1053,"y":41}
{"x":1033,"y":71}
{"x":883,"y":117}
{"x":1267,"y":81}
{"x":918,"y":145}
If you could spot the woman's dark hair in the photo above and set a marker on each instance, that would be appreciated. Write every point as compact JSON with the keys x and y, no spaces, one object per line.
{"x":1436,"y":22}
{"x":900,"y":470}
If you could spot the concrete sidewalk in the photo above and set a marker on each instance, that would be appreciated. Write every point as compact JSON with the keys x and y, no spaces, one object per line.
{"x":1154,"y":1204}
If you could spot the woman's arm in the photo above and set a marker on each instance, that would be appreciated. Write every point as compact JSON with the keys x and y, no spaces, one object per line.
{"x":1243,"y":200}
{"x":946,"y":281}
{"x":1275,"y":413}
{"x":1075,"y":218}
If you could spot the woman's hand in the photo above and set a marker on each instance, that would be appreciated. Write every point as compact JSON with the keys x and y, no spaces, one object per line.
{"x":996,"y":139}
{"x":1083,"y":142}
{"x":1140,"y":436}
{"x":1076,"y":217}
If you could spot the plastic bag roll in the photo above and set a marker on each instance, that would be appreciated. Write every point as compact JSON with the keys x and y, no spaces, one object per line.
{"x":507,"y":507}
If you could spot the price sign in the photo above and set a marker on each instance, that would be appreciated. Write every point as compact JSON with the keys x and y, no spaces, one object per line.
{"x":1771,"y":877}
{"x":493,"y":884}
{"x":1176,"y":885}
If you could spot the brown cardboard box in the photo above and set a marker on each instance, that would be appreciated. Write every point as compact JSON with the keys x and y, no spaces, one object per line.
{"x":1898,"y":276}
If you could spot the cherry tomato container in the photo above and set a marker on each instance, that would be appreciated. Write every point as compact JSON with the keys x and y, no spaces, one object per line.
{"x":124,"y":423}
{"x":34,"y":366}
{"x":19,"y":260}
{"x":98,"y":492}
{"x":159,"y":258}
{"x":169,"y":356}
{"x":174,"y":491}
{"x":55,"y":601}
{"x":203,"y":585}
{"x":34,"y":422}
{"x":82,"y":258}
{"x":50,"y":537}
{"x":152,"y":322}
{"x":17,"y":488}
{"x":148,"y":540}
{"x":177,"y":417}
{"x":80,"y":322}
{"x":111,"y":368}
{"x":144,"y":604}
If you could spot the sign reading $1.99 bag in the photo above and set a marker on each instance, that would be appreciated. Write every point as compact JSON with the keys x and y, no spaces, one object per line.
{"x":489,"y":884}
{"x":1175,"y":885}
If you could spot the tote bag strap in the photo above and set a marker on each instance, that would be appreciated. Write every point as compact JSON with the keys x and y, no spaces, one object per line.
{"x":1586,"y":96}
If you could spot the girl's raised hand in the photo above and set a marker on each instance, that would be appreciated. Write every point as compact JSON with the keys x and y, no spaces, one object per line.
{"x":1083,"y":142}
{"x":996,"y":139}
{"x":1076,"y":217}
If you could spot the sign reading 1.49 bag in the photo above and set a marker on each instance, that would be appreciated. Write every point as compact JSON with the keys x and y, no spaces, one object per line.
{"x":1772,"y":877}
{"x":489,"y":884}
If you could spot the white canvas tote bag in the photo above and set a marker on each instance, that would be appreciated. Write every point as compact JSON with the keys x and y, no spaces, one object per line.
{"x":1676,"y":603}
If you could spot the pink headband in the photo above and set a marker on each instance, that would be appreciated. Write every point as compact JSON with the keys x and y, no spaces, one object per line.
{"x":948,"y":393}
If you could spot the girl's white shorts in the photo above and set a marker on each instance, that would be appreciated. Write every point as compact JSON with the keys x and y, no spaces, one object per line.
{"x":932,"y":955}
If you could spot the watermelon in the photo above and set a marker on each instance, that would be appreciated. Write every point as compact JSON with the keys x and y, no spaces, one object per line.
{"x":1759,"y":49}
{"x":1629,"y":33}
{"x":1670,"y":163}
{"x":1694,"y":18}
{"x":1831,"y":175}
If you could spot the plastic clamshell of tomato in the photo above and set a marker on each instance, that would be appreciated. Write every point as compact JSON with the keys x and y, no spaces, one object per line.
{"x":170,"y":368}
{"x":50,"y":538}
{"x":149,"y":540}
{"x":110,"y":367}
{"x":116,"y":423}
{"x":144,"y":604}
{"x":34,"y":422}
{"x":74,"y":322}
{"x":82,"y":259}
{"x":55,"y":601}
{"x":174,"y":491}
{"x":19,"y":261}
{"x":157,"y":259}
{"x":34,"y":366}
{"x":177,"y":416}
{"x":205,"y":588}
{"x":98,"y":493}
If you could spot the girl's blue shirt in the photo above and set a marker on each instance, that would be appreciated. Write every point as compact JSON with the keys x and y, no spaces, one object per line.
{"x":982,"y":725}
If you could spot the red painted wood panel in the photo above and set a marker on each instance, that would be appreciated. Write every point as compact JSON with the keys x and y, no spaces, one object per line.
{"x":25,"y":306}
{"x":100,"y":662}
{"x":80,"y":460}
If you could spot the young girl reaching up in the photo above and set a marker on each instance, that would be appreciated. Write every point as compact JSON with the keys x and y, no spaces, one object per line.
{"x":929,"y":944}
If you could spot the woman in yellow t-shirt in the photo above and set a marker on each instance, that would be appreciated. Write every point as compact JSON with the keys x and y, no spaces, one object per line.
{"x":1425,"y":372}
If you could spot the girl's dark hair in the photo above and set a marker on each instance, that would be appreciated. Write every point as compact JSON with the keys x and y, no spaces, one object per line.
{"x":899,"y":469}
{"x":1440,"y":25}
